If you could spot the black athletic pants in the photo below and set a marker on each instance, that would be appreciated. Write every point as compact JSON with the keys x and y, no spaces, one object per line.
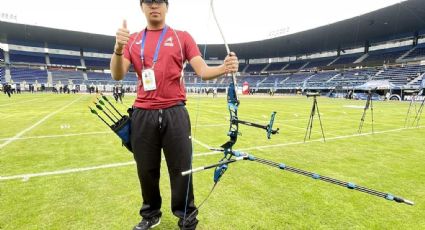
{"x":167,"y":129}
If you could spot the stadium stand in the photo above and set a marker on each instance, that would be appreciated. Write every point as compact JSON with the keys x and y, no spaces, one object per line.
{"x":27,"y":57}
{"x":97,"y":63}
{"x":1,"y":55}
{"x":418,"y":52}
{"x":321,"y":79}
{"x":351,"y":78}
{"x":65,"y":76}
{"x":189,"y":69}
{"x":400,"y":65}
{"x":131,"y":77}
{"x":319,"y":62}
{"x":269,"y":81}
{"x":295,"y":65}
{"x":66,"y":60}
{"x":255,"y":68}
{"x":99,"y":77}
{"x":2,"y":73}
{"x":386,"y":55}
{"x":275,"y":67}
{"x":346,"y":59}
{"x":30,"y":75}
{"x":295,"y":80}
{"x":400,"y":76}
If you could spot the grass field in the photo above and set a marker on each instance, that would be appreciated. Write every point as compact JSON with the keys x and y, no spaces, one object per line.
{"x":51,"y":133}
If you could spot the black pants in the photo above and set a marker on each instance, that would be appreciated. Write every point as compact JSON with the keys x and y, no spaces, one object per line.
{"x":167,"y":129}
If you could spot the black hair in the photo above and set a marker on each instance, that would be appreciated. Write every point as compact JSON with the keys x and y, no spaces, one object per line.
{"x":166,"y":2}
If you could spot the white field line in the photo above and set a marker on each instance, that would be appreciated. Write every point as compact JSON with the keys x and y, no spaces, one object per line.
{"x":21,"y":102}
{"x":66,"y":171}
{"x":82,"y":134}
{"x":318,"y":131}
{"x":56,"y":136}
{"x":26,"y":177}
{"x":37,"y":123}
{"x":202,"y":144}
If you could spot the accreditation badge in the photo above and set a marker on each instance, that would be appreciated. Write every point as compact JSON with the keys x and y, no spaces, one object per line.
{"x":148,"y":78}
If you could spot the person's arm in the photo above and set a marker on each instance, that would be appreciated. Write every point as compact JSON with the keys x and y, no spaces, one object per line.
{"x":201,"y":68}
{"x":120,"y":65}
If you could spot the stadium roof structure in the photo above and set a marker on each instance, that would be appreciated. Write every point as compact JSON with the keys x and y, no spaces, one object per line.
{"x":405,"y":19}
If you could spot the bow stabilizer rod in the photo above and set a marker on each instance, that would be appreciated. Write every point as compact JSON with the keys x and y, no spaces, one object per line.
{"x":352,"y":186}
{"x":268,"y":127}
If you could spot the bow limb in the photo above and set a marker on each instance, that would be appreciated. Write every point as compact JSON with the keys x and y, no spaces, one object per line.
{"x":234,"y":99}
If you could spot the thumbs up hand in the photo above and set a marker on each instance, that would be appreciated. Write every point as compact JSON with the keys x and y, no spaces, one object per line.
{"x":122,"y":37}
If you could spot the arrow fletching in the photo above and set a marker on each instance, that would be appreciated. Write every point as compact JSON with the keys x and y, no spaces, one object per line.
{"x":98,"y":106}
{"x":93,"y":111}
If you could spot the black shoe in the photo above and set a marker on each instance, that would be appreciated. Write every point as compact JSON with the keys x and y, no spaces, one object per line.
{"x":189,"y":224}
{"x":148,"y":223}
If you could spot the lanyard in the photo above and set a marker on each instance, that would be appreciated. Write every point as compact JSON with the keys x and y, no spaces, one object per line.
{"x":158,"y":46}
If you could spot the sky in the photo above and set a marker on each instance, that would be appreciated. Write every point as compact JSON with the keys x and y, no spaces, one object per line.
{"x":241,"y":20}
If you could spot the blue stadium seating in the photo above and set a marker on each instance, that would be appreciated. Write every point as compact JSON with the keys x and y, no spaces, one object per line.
{"x":295,"y":80}
{"x":400,"y":76}
{"x":27,"y":57}
{"x":351,"y":78}
{"x":65,"y":60}
{"x":252,"y":80}
{"x":320,"y":80}
{"x":1,"y":55}
{"x":103,"y":78}
{"x":189,"y":68}
{"x":65,"y":76}
{"x":419,"y":51}
{"x":98,"y":63}
{"x":30,"y":75}
{"x":347,"y":59}
{"x":255,"y":67}
{"x":386,"y":55}
{"x":321,"y":62}
{"x":242,"y":67}
{"x":2,"y":74}
{"x":295,"y":65}
{"x":277,"y":66}
{"x":270,"y":81}
{"x":131,"y":77}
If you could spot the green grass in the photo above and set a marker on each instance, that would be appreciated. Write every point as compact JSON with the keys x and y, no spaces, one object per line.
{"x":249,"y":196}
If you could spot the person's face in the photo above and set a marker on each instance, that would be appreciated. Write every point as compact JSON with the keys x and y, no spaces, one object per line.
{"x":155,"y":11}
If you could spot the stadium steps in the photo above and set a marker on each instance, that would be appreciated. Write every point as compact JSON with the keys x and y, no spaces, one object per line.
{"x":332,"y":78}
{"x":376,"y":75}
{"x":285,"y":67}
{"x":417,"y":79}
{"x":306,"y":64}
{"x":281,"y":82}
{"x":405,"y":55}
{"x":267,"y":66}
{"x":308,"y":78}
{"x":332,"y":62}
{"x":259,"y":83}
{"x":364,"y":56}
{"x":244,"y":69}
